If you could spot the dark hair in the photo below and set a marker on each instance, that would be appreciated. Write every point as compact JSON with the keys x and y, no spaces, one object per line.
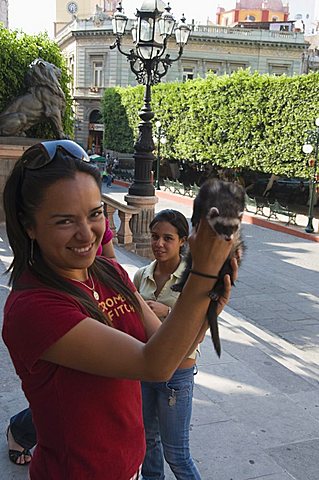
{"x":175,"y":218}
{"x":23,"y":193}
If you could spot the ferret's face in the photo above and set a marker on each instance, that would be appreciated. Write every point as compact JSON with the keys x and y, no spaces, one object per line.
{"x":223,"y":226}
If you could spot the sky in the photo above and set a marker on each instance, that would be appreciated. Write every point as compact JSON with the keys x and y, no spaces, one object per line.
{"x":34,"y":16}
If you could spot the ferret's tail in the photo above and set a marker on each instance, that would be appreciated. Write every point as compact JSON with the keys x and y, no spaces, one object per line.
{"x":213,"y":325}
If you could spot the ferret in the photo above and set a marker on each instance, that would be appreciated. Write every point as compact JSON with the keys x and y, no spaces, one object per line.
{"x":222,"y":204}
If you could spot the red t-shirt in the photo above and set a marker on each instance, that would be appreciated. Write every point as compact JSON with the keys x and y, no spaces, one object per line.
{"x":107,"y":237}
{"x":88,"y":427}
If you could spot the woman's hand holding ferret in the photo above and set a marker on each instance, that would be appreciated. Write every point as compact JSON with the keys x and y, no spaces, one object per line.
{"x":209,"y":251}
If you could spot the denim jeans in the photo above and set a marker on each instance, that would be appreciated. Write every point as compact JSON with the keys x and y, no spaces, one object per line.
{"x":109,"y":179}
{"x":22,"y":429}
{"x":167,"y":411}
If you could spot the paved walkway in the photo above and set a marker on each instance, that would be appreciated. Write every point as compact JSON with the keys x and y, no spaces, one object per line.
{"x":256,"y":410}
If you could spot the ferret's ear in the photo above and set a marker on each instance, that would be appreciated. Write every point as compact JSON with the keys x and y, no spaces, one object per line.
{"x":213,"y":212}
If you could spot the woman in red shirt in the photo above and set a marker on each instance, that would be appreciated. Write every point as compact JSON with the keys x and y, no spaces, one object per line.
{"x":21,"y":434}
{"x":79,"y":334}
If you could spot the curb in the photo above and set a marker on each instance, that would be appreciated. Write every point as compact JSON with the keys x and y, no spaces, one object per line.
{"x":121,"y":183}
{"x":251,"y":219}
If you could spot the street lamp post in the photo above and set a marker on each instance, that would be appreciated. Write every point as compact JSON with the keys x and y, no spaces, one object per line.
{"x":160,"y":139}
{"x":153,"y":27}
{"x":312,"y":140}
{"x":150,"y":32}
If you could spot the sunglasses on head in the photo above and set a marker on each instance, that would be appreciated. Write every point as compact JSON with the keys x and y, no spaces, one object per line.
{"x":43,"y":153}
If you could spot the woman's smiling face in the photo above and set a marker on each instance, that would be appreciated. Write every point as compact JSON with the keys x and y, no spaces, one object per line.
{"x":69,"y":225}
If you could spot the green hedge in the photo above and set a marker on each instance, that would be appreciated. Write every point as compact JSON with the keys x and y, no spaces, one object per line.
{"x":18,"y":50}
{"x":245,"y":120}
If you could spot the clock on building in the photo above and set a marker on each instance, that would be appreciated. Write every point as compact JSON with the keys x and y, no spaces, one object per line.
{"x":72,"y":7}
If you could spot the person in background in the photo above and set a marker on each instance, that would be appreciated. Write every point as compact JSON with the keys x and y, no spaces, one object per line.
{"x":109,"y":175}
{"x":301,"y":194}
{"x":21,"y":434}
{"x":104,"y":176}
{"x":272,"y":192}
{"x":106,"y":248}
{"x":167,"y":406}
{"x":80,"y":336}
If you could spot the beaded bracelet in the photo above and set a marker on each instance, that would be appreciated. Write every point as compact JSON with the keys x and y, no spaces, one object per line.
{"x":200,"y":274}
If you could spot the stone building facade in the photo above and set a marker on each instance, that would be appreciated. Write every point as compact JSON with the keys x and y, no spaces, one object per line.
{"x":4,"y":12}
{"x":66,"y":10}
{"x":253,"y":11}
{"x":222,"y":50}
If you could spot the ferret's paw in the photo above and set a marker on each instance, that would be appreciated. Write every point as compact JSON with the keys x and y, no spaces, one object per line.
{"x":177,"y":287}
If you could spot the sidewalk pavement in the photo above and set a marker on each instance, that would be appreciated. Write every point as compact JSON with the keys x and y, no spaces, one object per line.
{"x":256,"y":409}
{"x":279,"y":224}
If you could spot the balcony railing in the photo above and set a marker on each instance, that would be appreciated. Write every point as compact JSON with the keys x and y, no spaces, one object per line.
{"x":121,"y":228}
{"x":217,"y":31}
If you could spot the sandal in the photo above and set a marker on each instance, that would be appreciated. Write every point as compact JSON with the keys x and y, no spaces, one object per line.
{"x":14,"y":455}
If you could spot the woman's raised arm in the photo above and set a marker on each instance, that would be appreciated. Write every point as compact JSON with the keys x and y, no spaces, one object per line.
{"x":98,"y":349}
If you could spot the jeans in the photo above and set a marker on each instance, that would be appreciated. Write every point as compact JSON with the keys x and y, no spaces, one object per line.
{"x":167,"y":411}
{"x":109,"y":179}
{"x":22,"y":429}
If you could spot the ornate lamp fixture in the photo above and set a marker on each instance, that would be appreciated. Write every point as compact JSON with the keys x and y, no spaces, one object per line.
{"x":312,"y":140}
{"x":150,"y":33}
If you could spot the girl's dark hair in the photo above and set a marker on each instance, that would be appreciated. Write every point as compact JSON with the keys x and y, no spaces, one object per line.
{"x":23,"y":194}
{"x":175,"y":218}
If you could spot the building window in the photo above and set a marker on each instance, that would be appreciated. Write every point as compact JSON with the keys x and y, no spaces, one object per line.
{"x":233,"y":67}
{"x":214,"y":67}
{"x":250,"y":18}
{"x":188,"y":74}
{"x":71,"y":72}
{"x":97,"y":73}
{"x":279,"y":70}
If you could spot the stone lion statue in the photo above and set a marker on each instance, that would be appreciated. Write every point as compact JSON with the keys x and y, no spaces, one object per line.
{"x":43,"y":101}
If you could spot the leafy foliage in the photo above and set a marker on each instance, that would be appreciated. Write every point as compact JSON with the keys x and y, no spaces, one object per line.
{"x":244,"y":120}
{"x":119,"y":128}
{"x":18,"y":50}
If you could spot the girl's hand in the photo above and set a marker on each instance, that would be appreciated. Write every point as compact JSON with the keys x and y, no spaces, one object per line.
{"x":158,"y":308}
{"x":222,"y":301}
{"x":209,"y":251}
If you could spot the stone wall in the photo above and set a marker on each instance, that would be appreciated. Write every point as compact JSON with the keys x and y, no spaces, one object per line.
{"x":11,"y":148}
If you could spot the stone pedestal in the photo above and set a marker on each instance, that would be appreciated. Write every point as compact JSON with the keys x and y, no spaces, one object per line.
{"x":140,"y":222}
{"x":11,"y":149}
